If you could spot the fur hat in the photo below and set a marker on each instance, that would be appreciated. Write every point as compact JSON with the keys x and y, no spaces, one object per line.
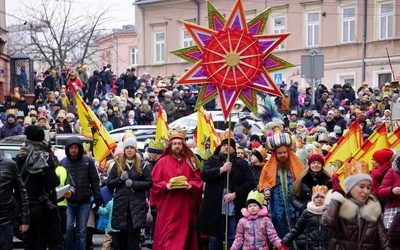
{"x":382,"y":156}
{"x":34,"y":133}
{"x":316,"y":157}
{"x":130,"y":141}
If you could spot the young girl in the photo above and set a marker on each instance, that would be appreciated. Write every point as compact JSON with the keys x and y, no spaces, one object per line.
{"x":254,"y":228}
{"x":309,"y":223}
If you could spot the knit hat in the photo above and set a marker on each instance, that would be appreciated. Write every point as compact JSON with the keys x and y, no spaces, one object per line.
{"x":255,"y":144}
{"x":246,"y":124}
{"x":34,"y":133}
{"x":254,"y":138}
{"x":260,"y":153}
{"x":337,"y":129}
{"x":319,"y":190}
{"x":255,"y":197}
{"x":354,"y":172}
{"x":70,"y":115}
{"x":352,"y":180}
{"x":130,"y":141}
{"x":382,"y":156}
{"x":301,"y":123}
{"x":232,"y":143}
{"x":119,"y":150}
{"x":11,"y":115}
{"x":316,"y":157}
{"x":103,"y":115}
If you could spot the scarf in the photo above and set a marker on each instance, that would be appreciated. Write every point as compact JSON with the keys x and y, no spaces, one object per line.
{"x":36,"y":156}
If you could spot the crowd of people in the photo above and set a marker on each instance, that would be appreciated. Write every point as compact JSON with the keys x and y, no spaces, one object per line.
{"x":253,"y":192}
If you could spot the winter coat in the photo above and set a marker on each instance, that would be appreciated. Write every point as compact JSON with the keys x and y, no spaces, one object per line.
{"x":169,"y":108}
{"x":349,"y":95}
{"x":354,"y":227}
{"x":107,"y":211}
{"x":293,"y":96}
{"x":256,"y":169}
{"x":180,"y":108}
{"x":307,"y":183}
{"x":316,"y":236}
{"x":129,"y":199}
{"x":377,"y":175}
{"x":11,"y":184}
{"x":394,"y":232}
{"x":85,"y":176}
{"x":391,"y":180}
{"x":10,"y":129}
{"x":241,"y":182}
{"x":252,"y":232}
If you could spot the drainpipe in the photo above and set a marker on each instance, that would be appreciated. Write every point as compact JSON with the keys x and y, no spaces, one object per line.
{"x":364,"y":41}
{"x":197,"y":11}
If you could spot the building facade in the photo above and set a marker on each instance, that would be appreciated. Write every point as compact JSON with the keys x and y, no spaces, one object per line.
{"x":4,"y":58}
{"x":354,"y":36}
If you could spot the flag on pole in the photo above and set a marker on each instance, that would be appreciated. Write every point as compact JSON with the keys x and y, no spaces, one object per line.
{"x":162,"y":126}
{"x":103,"y":143}
{"x":214,"y":139}
{"x":203,"y":129}
{"x":394,"y":139}
{"x":377,"y":140}
{"x":350,"y":142}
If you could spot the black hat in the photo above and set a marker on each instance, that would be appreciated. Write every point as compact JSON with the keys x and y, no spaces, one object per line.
{"x":254,"y":137}
{"x":258,"y":155}
{"x":11,"y":115}
{"x":34,"y":133}
{"x":225,"y":141}
{"x":47,"y":72}
{"x":246,"y":124}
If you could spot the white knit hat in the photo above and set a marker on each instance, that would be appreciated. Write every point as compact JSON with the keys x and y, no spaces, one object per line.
{"x":352,"y":180}
{"x":130,"y":141}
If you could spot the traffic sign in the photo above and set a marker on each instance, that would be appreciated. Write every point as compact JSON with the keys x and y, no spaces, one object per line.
{"x":278,"y":79}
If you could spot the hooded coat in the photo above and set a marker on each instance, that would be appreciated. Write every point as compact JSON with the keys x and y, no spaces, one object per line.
{"x":391,"y":180}
{"x":353,"y":226}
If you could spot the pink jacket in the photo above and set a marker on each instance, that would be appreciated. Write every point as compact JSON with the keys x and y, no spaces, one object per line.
{"x":252,"y":231}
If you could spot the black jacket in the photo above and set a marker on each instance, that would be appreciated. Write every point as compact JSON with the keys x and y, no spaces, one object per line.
{"x":85,"y":176}
{"x":241,"y":182}
{"x":133,"y":198}
{"x":309,"y":224}
{"x":11,"y":180}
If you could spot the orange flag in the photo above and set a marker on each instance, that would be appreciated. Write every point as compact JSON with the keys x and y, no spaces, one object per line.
{"x":377,"y":140}
{"x":394,"y":139}
{"x":103,"y":143}
{"x":162,"y":126}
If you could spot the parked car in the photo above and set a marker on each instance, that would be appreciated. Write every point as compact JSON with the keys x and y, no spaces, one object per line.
{"x":118,"y":133}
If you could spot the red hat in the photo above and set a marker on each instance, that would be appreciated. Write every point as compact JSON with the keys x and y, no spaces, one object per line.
{"x":316,"y":157}
{"x":382,"y":156}
{"x":255,"y":144}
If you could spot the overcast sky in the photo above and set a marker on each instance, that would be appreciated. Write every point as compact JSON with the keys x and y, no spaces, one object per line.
{"x":121,"y":11}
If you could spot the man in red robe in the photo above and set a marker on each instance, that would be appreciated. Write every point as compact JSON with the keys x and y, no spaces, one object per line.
{"x":176,"y":207}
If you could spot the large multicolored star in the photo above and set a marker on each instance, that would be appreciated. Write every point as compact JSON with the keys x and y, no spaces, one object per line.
{"x":232,"y":58}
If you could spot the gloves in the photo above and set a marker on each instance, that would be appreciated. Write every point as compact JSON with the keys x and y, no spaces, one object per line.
{"x":124,"y":176}
{"x":98,"y":202}
{"x":283,"y":247}
{"x":336,"y":185}
{"x":128,"y":183}
{"x":95,"y":208}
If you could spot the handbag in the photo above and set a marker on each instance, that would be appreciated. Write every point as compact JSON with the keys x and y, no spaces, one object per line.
{"x":388,"y":216}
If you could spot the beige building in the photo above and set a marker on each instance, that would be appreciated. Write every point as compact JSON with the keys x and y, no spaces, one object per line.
{"x":4,"y":59}
{"x":118,"y":49}
{"x":354,"y":47}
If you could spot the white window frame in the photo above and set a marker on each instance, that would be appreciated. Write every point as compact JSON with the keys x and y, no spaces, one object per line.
{"x":341,"y":78}
{"x":187,"y":41}
{"x":159,"y":47}
{"x":349,"y":34}
{"x":134,"y":56}
{"x":279,"y":29}
{"x":315,"y":26}
{"x":387,"y":19}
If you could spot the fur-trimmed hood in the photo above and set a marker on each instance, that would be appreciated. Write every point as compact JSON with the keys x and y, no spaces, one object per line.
{"x":370,"y":211}
{"x":262,"y":213}
{"x":396,"y":164}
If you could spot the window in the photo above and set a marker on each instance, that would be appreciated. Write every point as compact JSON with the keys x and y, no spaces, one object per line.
{"x":280,"y":27}
{"x":348,"y":24}
{"x":346,"y":78}
{"x":134,"y":56}
{"x":312,"y":29}
{"x":187,"y":40}
{"x":385,"y":20}
{"x":384,"y":78}
{"x":159,"y":48}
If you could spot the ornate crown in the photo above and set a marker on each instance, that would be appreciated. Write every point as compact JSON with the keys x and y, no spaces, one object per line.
{"x":20,"y":113}
{"x":255,"y":195}
{"x":226,"y":135}
{"x":177,"y":132}
{"x":156,"y":144}
{"x":310,"y":139}
{"x":86,"y":146}
{"x":320,"y":189}
{"x":355,"y":167}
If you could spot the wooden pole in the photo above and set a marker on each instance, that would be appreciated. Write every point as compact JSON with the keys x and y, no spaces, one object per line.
{"x":228,"y":158}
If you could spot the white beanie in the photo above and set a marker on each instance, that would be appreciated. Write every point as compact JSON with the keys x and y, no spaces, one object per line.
{"x":130,"y":141}
{"x":352,"y":180}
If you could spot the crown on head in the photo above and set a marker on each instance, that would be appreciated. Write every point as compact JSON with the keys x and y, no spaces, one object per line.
{"x":355,"y":167}
{"x":255,"y":195}
{"x":226,"y":134}
{"x":320,"y":189}
{"x":177,"y":132}
{"x":86,"y":146}
{"x":292,"y":125}
{"x":156,"y":144}
{"x":310,"y":139}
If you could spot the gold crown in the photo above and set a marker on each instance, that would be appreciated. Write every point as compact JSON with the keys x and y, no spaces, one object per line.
{"x":177,"y":132}
{"x":86,"y":146}
{"x":292,"y":125}
{"x":310,"y":139}
{"x":156,"y":144}
{"x":355,"y":167}
{"x":255,"y":195}
{"x":227,"y":134}
{"x":320,"y":189}
{"x":333,"y":166}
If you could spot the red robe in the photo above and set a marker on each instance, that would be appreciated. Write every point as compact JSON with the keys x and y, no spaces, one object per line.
{"x":176,"y":209}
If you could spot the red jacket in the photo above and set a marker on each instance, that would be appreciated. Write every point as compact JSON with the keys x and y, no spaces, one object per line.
{"x":70,"y":86}
{"x":391,"y":180}
{"x":377,"y":175}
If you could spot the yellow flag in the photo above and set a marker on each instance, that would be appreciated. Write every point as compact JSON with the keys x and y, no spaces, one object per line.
{"x":394,"y":139}
{"x":103,"y":143}
{"x":203,"y":129}
{"x":376,"y":141}
{"x":215,"y":140}
{"x":162,"y":126}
